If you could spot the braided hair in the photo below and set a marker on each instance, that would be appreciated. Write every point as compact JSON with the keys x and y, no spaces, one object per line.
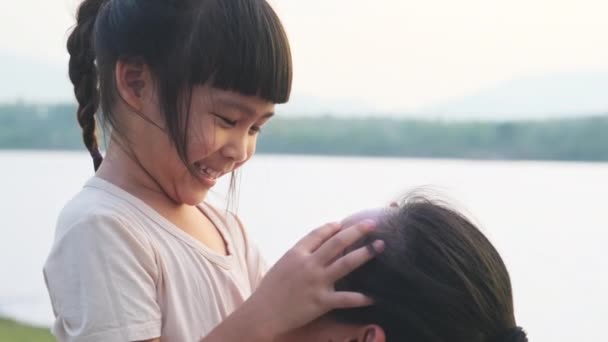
{"x":83,"y":74}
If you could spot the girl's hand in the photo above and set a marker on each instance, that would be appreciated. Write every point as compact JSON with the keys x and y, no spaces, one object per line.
{"x":300,"y":286}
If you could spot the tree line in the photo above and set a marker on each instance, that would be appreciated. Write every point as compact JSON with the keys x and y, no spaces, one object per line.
{"x":54,"y":127}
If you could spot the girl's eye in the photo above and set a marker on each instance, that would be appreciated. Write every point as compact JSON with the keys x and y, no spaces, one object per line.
{"x":229,"y":122}
{"x":255,"y":130}
{"x":225,"y":120}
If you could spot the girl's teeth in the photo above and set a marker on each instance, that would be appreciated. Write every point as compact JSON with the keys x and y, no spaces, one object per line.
{"x":211,"y":173}
{"x":207,"y":171}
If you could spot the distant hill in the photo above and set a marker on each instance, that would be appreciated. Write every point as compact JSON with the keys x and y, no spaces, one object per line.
{"x":556,"y":95}
{"x":309,"y":105}
{"x":547,"y":96}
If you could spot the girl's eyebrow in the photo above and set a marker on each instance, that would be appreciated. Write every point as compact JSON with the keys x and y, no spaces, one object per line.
{"x":241,"y":107}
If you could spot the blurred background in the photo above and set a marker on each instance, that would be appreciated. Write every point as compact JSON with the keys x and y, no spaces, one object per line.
{"x":500,"y":106}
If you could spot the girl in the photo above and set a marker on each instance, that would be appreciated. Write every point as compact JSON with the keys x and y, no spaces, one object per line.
{"x":185,"y":87}
{"x":438,"y":280}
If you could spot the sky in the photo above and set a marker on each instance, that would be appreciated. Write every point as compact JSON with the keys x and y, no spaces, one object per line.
{"x":381,"y":55}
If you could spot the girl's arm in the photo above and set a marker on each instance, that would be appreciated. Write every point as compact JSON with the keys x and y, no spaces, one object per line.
{"x":300,"y":287}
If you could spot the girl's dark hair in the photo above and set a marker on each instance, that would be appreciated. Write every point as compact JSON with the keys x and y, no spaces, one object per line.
{"x":237,"y":45}
{"x":439,"y":279}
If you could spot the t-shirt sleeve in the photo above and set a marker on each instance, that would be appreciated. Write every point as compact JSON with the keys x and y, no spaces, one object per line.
{"x":101,"y":277}
{"x":256,"y":264}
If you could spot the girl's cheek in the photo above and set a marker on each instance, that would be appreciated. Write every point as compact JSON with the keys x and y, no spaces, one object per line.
{"x":202,"y":143}
{"x":252,"y":147}
{"x":250,"y":153}
{"x":202,"y":129}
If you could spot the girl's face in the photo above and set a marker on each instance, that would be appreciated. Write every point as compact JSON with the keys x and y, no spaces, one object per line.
{"x":222,"y":132}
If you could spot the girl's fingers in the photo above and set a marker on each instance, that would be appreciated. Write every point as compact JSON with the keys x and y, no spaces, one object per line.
{"x":336,"y":245}
{"x":353,"y":260}
{"x":345,"y":300}
{"x":317,"y":237}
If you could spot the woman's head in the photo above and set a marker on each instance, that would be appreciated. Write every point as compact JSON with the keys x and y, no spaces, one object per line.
{"x":438,"y":279}
{"x":183,"y":84}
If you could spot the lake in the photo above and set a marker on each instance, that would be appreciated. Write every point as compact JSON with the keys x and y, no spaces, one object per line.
{"x":548,"y":220}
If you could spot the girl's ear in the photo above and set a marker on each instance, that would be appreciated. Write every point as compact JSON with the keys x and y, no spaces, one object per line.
{"x":133,"y":82}
{"x":371,"y":333}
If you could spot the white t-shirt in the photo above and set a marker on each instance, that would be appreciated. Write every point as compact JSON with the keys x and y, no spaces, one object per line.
{"x":119,"y":271}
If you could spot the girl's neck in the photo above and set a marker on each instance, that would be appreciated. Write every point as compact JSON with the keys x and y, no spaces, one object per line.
{"x":120,"y":167}
{"x":124,"y":171}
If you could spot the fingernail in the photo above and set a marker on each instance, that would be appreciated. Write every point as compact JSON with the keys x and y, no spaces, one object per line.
{"x":379,"y":246}
{"x":370,"y":335}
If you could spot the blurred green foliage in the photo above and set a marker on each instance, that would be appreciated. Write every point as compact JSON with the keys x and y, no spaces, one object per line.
{"x":24,"y":126}
{"x":11,"y":331}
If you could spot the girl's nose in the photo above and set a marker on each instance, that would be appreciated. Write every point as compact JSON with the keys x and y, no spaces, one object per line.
{"x":237,"y":148}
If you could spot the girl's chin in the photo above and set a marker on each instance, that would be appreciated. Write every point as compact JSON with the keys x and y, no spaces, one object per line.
{"x":192,"y":197}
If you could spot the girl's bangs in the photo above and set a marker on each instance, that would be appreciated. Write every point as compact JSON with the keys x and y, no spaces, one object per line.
{"x":241,"y":46}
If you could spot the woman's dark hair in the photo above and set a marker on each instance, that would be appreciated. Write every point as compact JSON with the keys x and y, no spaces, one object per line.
{"x":438,"y":279}
{"x":237,"y":45}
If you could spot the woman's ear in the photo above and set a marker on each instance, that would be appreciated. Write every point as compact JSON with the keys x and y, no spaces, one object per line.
{"x":371,"y":333}
{"x":133,"y":82}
